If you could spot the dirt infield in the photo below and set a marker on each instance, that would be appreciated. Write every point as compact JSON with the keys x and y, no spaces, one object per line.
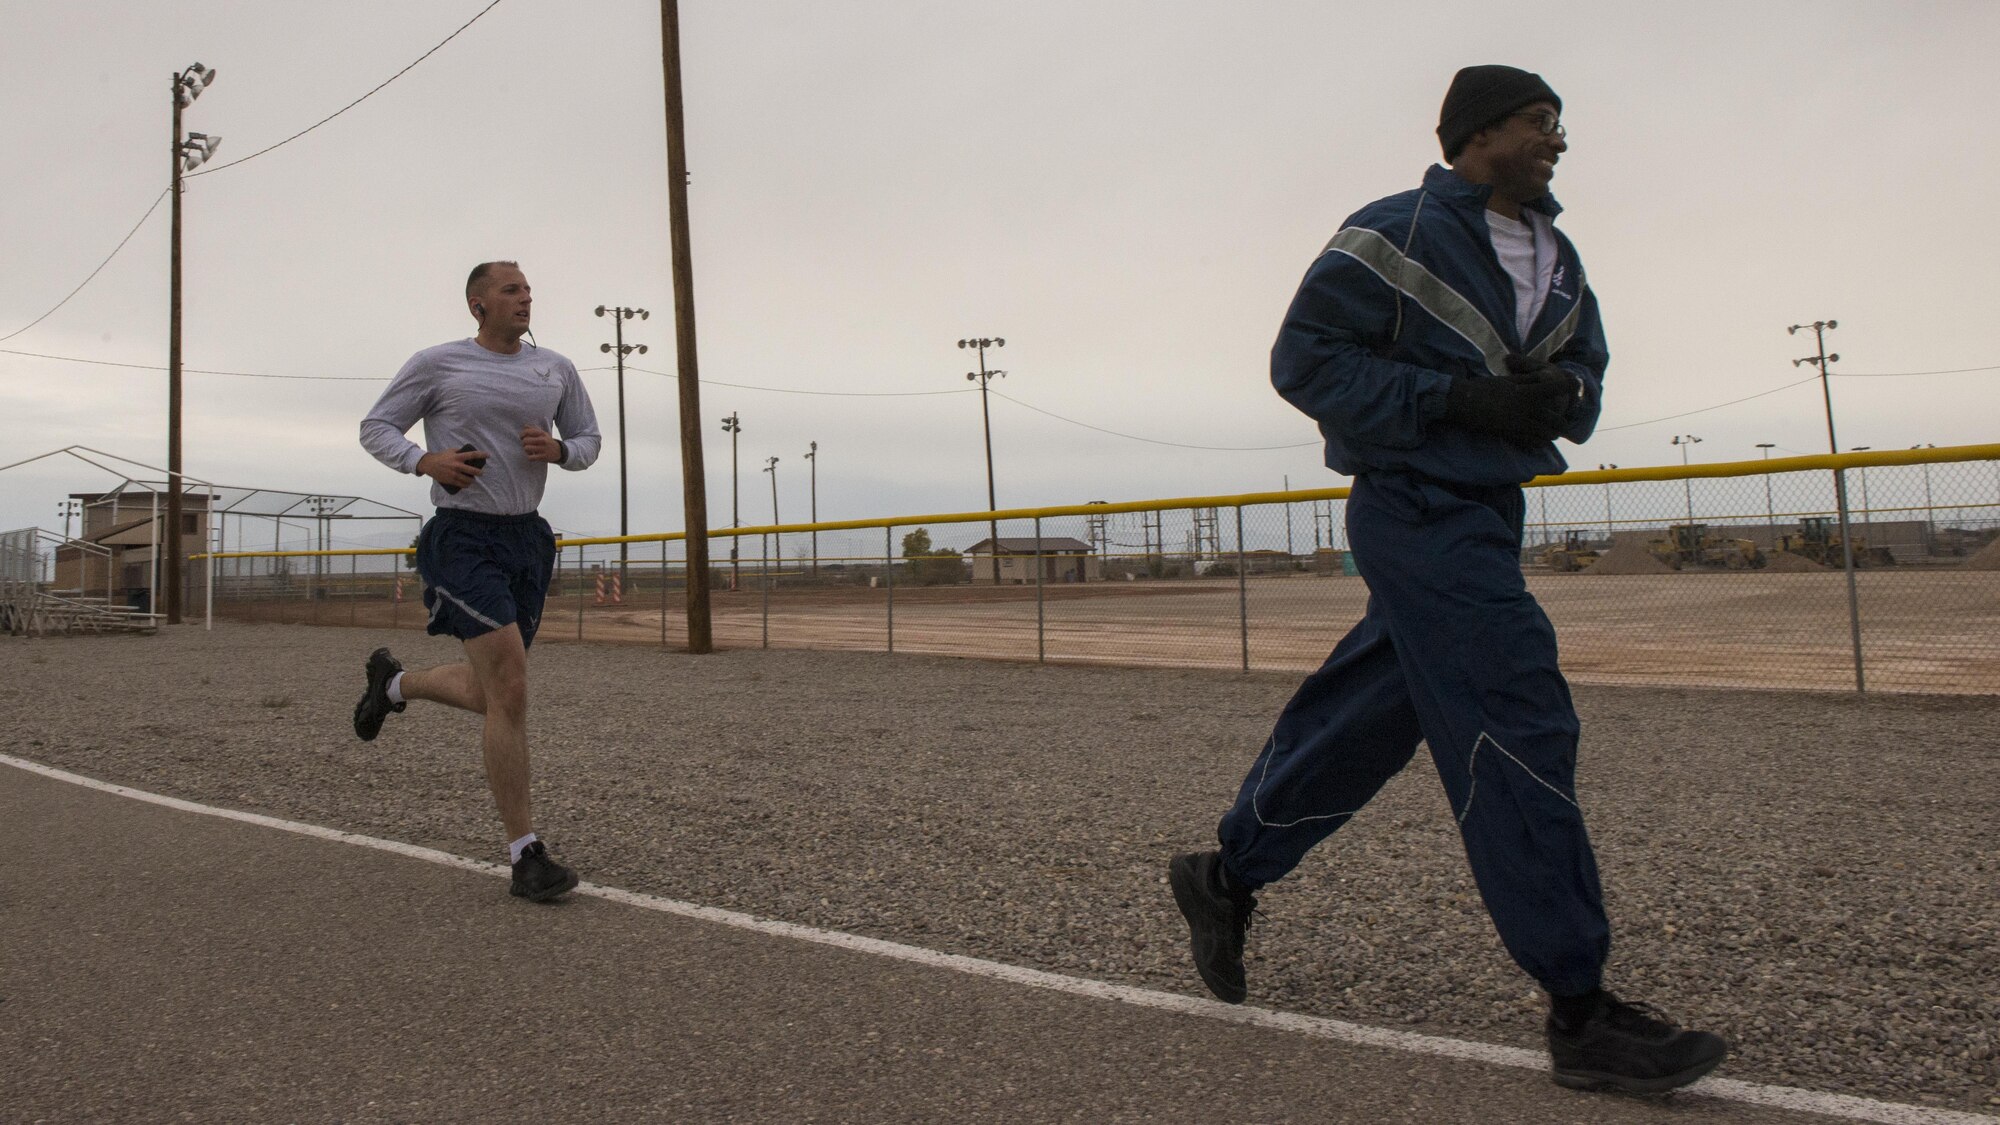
{"x":1923,"y":630}
{"x":1811,"y":874}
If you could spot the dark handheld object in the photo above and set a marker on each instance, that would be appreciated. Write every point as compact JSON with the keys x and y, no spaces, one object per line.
{"x":477,"y":463}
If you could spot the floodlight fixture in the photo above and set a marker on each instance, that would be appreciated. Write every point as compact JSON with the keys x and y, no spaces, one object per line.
{"x":189,"y":84}
{"x":600,"y":312}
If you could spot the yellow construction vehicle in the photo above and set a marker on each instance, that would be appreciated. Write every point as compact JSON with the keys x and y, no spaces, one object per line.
{"x":1689,"y":545}
{"x":1574,"y":554}
{"x":1818,"y":539}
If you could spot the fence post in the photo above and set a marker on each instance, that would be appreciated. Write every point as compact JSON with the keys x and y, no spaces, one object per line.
{"x":1847,"y":560}
{"x":889,"y":565}
{"x":353,"y":576}
{"x":395,"y":602}
{"x":1242,"y":590}
{"x":1041,"y":647}
{"x":579,"y":591}
{"x":764,"y":549}
{"x":663,"y":593}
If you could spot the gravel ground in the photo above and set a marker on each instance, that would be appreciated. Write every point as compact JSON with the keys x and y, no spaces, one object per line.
{"x":1811,"y":874}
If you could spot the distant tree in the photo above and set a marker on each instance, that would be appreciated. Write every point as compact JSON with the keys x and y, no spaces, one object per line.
{"x":928,"y":566}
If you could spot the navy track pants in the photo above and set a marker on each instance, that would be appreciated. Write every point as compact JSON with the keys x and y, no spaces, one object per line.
{"x":1455,"y":652}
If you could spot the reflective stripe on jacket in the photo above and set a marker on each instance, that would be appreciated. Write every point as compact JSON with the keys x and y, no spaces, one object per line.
{"x":1409,"y":295}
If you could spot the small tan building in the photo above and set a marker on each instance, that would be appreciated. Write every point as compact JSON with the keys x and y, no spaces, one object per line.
{"x":1062,"y":560}
{"x":122,"y":528}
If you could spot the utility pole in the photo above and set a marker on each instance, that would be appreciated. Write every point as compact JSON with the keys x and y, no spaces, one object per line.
{"x":187,"y":155}
{"x":619,"y":316}
{"x":984,"y":376}
{"x":694,"y":483}
{"x":734,"y":426}
{"x":812,"y":456}
{"x":67,"y":509}
{"x":1821,"y":360}
{"x":777,"y":540}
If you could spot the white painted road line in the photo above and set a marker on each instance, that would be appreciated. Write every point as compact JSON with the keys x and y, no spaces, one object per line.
{"x":1751,"y":1093}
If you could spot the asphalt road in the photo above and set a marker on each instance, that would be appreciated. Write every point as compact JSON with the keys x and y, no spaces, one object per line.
{"x":161,"y":965}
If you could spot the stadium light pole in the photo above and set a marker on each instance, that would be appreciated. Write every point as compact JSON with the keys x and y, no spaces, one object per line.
{"x":67,"y":509}
{"x":984,"y":376}
{"x":1867,"y":513}
{"x":1820,"y":360}
{"x":619,"y":316}
{"x":1288,"y":518}
{"x":1930,"y":523}
{"x":187,"y":155}
{"x":812,"y":458}
{"x":733,"y":426}
{"x":321,"y":505}
{"x":1607,"y":502}
{"x":1770,"y":510}
{"x":1686,"y":442}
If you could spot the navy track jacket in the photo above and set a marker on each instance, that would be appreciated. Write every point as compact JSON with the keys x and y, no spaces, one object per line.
{"x":1408,"y":296}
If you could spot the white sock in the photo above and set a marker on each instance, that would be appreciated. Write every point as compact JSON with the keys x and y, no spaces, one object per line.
{"x":396,"y":688}
{"x":515,"y":849}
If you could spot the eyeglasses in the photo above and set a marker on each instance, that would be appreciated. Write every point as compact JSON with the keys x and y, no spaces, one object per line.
{"x":1545,"y":124}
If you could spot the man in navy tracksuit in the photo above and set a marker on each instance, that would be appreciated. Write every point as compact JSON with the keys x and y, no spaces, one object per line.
{"x":1443,"y":340}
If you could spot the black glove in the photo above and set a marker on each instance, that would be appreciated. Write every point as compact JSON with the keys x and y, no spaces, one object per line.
{"x":1542,"y":375}
{"x":1526,"y":409}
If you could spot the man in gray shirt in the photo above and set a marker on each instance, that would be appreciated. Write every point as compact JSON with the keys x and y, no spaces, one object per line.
{"x":488,"y":404}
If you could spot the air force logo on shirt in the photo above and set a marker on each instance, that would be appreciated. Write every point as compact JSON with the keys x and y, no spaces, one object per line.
{"x":1556,"y":282}
{"x":545,"y":374}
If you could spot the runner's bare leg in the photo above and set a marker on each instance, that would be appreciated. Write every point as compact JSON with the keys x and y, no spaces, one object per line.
{"x":495,"y":684}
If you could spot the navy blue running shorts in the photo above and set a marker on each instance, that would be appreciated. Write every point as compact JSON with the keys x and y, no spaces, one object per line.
{"x":484,"y":572}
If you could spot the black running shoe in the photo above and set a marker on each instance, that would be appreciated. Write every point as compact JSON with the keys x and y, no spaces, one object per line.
{"x":538,"y":878}
{"x":1630,"y":1047}
{"x":375,"y":706}
{"x":1217,"y":917}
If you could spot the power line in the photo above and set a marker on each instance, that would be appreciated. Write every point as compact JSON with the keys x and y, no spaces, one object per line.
{"x":355,"y":102}
{"x":1157,"y":441}
{"x":196,"y":370}
{"x":958,"y":391}
{"x":1905,"y":374}
{"x":1706,"y":409}
{"x":1800,"y":383}
{"x":232,"y":164}
{"x":791,"y":390}
{"x":95,"y":272}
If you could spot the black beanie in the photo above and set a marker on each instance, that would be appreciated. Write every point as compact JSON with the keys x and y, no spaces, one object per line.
{"x":1482,"y":95}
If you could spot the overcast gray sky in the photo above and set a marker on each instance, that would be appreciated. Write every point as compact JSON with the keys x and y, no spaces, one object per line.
{"x":1127,"y":192}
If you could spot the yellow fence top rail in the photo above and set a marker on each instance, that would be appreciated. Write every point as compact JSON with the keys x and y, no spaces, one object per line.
{"x":1818,"y":462}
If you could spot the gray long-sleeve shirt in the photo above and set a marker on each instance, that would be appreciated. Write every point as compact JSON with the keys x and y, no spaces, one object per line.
{"x":465,"y":393}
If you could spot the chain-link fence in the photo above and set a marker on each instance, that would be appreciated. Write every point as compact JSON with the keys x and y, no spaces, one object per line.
{"x":1751,"y":574}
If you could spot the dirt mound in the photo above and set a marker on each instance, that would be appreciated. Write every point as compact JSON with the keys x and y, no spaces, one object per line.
{"x":1627,"y":557}
{"x":1785,"y":562}
{"x":1988,"y":558}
